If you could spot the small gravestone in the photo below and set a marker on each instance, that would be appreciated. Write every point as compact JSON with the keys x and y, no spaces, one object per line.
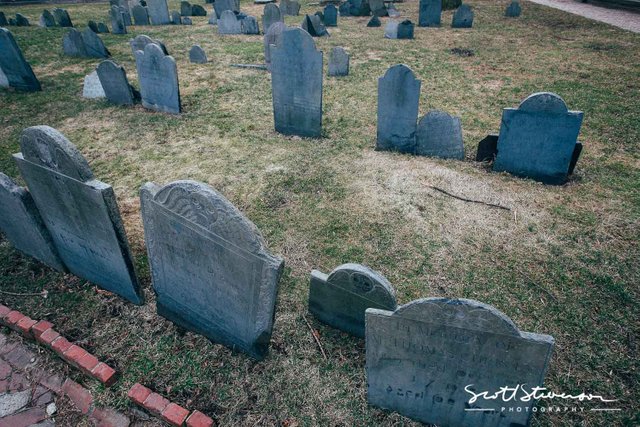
{"x":405,"y":29}
{"x":176,"y":19}
{"x":62,"y":17}
{"x":375,"y":22}
{"x":430,"y":13}
{"x":187,"y":21}
{"x":398,"y":97}
{"x":140,"y":15}
{"x":140,"y":41}
{"x":320,"y":15}
{"x":94,"y":47}
{"x":392,"y":11}
{"x":21,"y":20}
{"x":463,"y":17}
{"x":487,"y":148}
{"x":102,"y":28}
{"x":113,"y":79}
{"x":391,"y":30}
{"x":117,"y":21}
{"x":338,"y":62}
{"x":314,"y":26}
{"x":296,"y":78}
{"x":451,"y":4}
{"x":73,"y":45}
{"x":513,"y":10}
{"x":270,"y":16}
{"x":330,"y":16}
{"x":341,"y":298}
{"x":272,"y":38}
{"x":185,"y":8}
{"x":197,"y":10}
{"x":197,"y":55}
{"x":378,"y":8}
{"x":92,"y":88}
{"x":359,"y":8}
{"x":249,"y":25}
{"x":3,"y":20}
{"x":12,"y":22}
{"x":80,"y":212}
{"x":47,"y":20}
{"x":158,"y":12}
{"x":219,"y":6}
{"x":537,"y":140}
{"x":22,"y":225}
{"x":229,"y":23}
{"x":344,"y":9}
{"x":158,"y":77}
{"x":210,"y":268}
{"x":16,"y":69}
{"x":93,"y":26}
{"x":290,"y":7}
{"x":440,"y":135}
{"x":425,"y":356}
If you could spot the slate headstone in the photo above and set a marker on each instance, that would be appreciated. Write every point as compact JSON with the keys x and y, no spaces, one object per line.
{"x":272,"y":37}
{"x":213,"y":19}
{"x":391,"y":30}
{"x":440,"y":135}
{"x":487,"y":148}
{"x":185,"y":8}
{"x":425,"y":356}
{"x":513,"y":10}
{"x":3,"y":19}
{"x":93,"y":26}
{"x":158,"y":12}
{"x":249,"y":25}
{"x":338,"y":62}
{"x":176,"y":19}
{"x":398,"y":98}
{"x":378,"y":8}
{"x":16,"y":69}
{"x":158,"y":77}
{"x":197,"y":55}
{"x":102,"y":28}
{"x":341,"y":298}
{"x":113,"y":79}
{"x":210,"y":267}
{"x":392,"y":11}
{"x":140,"y":41}
{"x":80,"y":212}
{"x":463,"y":17}
{"x":22,"y":225}
{"x":330,"y":15}
{"x":314,"y":26}
{"x":296,"y":78}
{"x":94,"y":46}
{"x":574,"y":158}
{"x":62,"y":17}
{"x":270,"y":16}
{"x":375,"y":22}
{"x":140,"y":15}
{"x":117,"y":21}
{"x":4,"y":81}
{"x":47,"y":20}
{"x":229,"y":23}
{"x":290,"y":7}
{"x":126,"y":16}
{"x":537,"y":139}
{"x":73,"y":45}
{"x":344,"y":9}
{"x":21,"y":20}
{"x":220,"y":6}
{"x":430,"y":13}
{"x":198,"y":10}
{"x":92,"y":88}
{"x":405,"y":29}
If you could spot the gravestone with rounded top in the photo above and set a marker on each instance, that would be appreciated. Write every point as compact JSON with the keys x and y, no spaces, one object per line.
{"x":140,"y":15}
{"x":440,"y":135}
{"x":513,"y":10}
{"x":80,"y":212}
{"x":272,"y":38}
{"x":16,"y":69}
{"x":197,"y":55}
{"x":537,"y":139}
{"x":73,"y":45}
{"x":176,"y":19}
{"x":94,"y":46}
{"x":126,"y":16}
{"x":290,"y":7}
{"x":405,"y":29}
{"x":463,"y":17}
{"x":270,"y":16}
{"x":330,"y":16}
{"x":249,"y":25}
{"x":341,"y":298}
{"x":398,"y":98}
{"x":21,"y":223}
{"x":114,"y":81}
{"x":219,"y":6}
{"x":430,"y":13}
{"x":62,"y":17}
{"x":425,"y":357}
{"x":158,"y":12}
{"x":229,"y":23}
{"x":117,"y":21}
{"x":47,"y":20}
{"x":210,"y":267}
{"x":391,"y":29}
{"x":338,"y":62}
{"x":158,"y":77}
{"x":185,"y":8}
{"x":21,"y":20}
{"x":198,"y":10}
{"x":140,"y":41}
{"x":296,"y":78}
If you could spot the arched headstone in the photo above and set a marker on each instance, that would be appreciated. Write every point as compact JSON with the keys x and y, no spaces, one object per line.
{"x":117,"y":21}
{"x":113,"y":79}
{"x":62,"y":17}
{"x":140,"y":41}
{"x":272,"y":37}
{"x":270,"y":16}
{"x":338,"y":62}
{"x":330,"y":16}
{"x":47,"y":20}
{"x":140,"y":15}
{"x":158,"y":77}
{"x":158,"y":12}
{"x":430,"y":13}
{"x":513,"y":10}
{"x":185,"y":8}
{"x":220,"y":6}
{"x":16,"y":69}
{"x":463,"y":17}
{"x":440,"y":135}
{"x":229,"y":23}
{"x":197,"y":55}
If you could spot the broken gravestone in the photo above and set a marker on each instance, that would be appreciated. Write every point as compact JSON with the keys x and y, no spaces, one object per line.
{"x":140,"y":15}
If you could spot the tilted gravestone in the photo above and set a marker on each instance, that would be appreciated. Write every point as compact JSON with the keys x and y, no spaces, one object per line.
{"x":405,"y":29}
{"x":126,"y":16}
{"x":296,"y":78}
{"x":229,"y":23}
{"x":430,"y":13}
{"x":197,"y":55}
{"x":210,"y":268}
{"x":463,"y":17}
{"x":85,"y":44}
{"x":314,"y":26}
{"x":21,"y":20}
{"x":117,"y":21}
{"x":113,"y":79}
{"x":290,"y":7}
{"x":139,"y":42}
{"x":93,"y":26}
{"x":92,"y":88}
{"x":62,"y":17}
{"x":102,"y":28}
{"x":537,"y":139}
{"x":359,"y":8}
{"x":140,"y":15}
{"x":158,"y":12}
{"x":391,"y":29}
{"x":47,"y":20}
{"x":176,"y":19}
{"x":330,"y":16}
{"x":16,"y":69}
{"x":398,"y":98}
{"x":185,"y":8}
{"x":338,"y":62}
{"x":272,"y":38}
{"x":220,"y":6}
{"x":21,"y":223}
{"x":158,"y":77}
{"x":341,"y":298}
{"x":79,"y":211}
{"x":440,"y":135}
{"x":249,"y":25}
{"x":198,"y":10}
{"x":94,"y":45}
{"x":513,"y":10}
{"x":424,"y":358}
{"x":378,"y":8}
{"x":270,"y":16}
{"x":375,"y":22}
{"x":3,"y":19}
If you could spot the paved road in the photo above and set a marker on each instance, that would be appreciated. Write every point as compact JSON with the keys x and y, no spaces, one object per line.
{"x":621,"y":18}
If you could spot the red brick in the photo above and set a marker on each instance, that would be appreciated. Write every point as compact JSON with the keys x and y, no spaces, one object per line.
{"x":138,"y":393}
{"x":40,"y":327}
{"x":198,"y":419}
{"x":105,"y":374}
{"x":155,"y":404}
{"x":24,"y":326}
{"x":47,"y":337}
{"x":87,"y":363}
{"x":12,"y":318}
{"x":80,"y":396}
{"x":60,"y":345}
{"x":4,"y":310}
{"x":74,"y":354}
{"x":175,"y":414}
{"x":25,"y":418}
{"x":109,"y":418}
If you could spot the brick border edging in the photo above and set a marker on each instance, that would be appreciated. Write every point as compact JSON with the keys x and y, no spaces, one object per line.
{"x":42,"y":331}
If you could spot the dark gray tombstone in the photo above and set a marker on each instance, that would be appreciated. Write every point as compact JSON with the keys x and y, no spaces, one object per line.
{"x":220,"y":6}
{"x":338,"y":62}
{"x":513,"y":10}
{"x":341,"y":298}
{"x":158,"y":77}
{"x":378,"y":8}
{"x":4,"y":82}
{"x":158,"y":12}
{"x":392,"y":11}
{"x":80,"y":212}
{"x":314,"y":26}
{"x":405,"y":29}
{"x":197,"y":10}
{"x":21,"y":20}
{"x":47,"y":20}
{"x":185,"y":8}
{"x":117,"y":21}
{"x":463,"y":17}
{"x":3,"y":19}
{"x":187,"y":21}
{"x":16,"y":69}
{"x":93,"y":26}
{"x":574,"y":158}
{"x":73,"y":45}
{"x":115,"y":84}
{"x":440,"y":135}
{"x":391,"y":30}
{"x":176,"y":19}
{"x":487,"y":148}
{"x":140,"y":15}
{"x":229,"y":23}
{"x":272,"y":38}
{"x":249,"y":25}
{"x":140,"y":41}
{"x":102,"y":28}
{"x":375,"y":22}
{"x":197,"y":55}
{"x":21,"y":223}
{"x":398,"y":98}
{"x":62,"y":17}
{"x":430,"y":13}
{"x":126,"y":16}
{"x":330,"y":14}
{"x":424,"y":357}
{"x":12,"y":22}
{"x":296,"y":78}
{"x":94,"y":47}
{"x":359,"y":8}
{"x":451,"y":4}
{"x":344,"y":9}
{"x":270,"y":16}
{"x":537,"y":139}
{"x":210,"y":267}
{"x":290,"y":7}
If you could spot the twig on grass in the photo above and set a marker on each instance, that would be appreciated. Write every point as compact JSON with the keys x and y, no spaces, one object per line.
{"x":315,"y":337}
{"x":27,"y":294}
{"x":469,"y":200}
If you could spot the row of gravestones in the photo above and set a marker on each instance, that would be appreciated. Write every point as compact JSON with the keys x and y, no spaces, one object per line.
{"x":57,"y":18}
{"x":212,"y":274}
{"x":19,"y":21}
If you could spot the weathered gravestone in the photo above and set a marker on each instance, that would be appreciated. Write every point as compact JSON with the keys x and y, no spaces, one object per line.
{"x":451,"y":4}
{"x":210,"y":267}
{"x":140,"y":15}
{"x":213,"y":19}
{"x":62,"y":17}
{"x":440,"y":135}
{"x":330,"y":16}
{"x":219,"y":6}
{"x":21,"y":223}
{"x":92,"y":88}
{"x":398,"y":97}
{"x":113,"y":79}
{"x":176,"y":19}
{"x":405,"y":29}
{"x":272,"y":38}
{"x":392,"y":11}
{"x":537,"y":139}
{"x":85,"y":44}
{"x":16,"y":69}
{"x":93,"y":26}
{"x":463,"y":17}
{"x":341,"y":298}
{"x":197,"y":55}
{"x":158,"y":77}
{"x":117,"y":21}
{"x":47,"y":20}
{"x":249,"y":25}
{"x":344,"y":9}
{"x":102,"y":28}
{"x":79,"y":211}
{"x":229,"y":23}
{"x":296,"y":78}
{"x":270,"y":16}
{"x":126,"y":16}
{"x":314,"y":26}
{"x":378,"y":8}
{"x":139,"y":42}
{"x":94,"y":45}
{"x":3,"y":19}
{"x":21,"y":20}
{"x":12,"y":22}
{"x":185,"y":8}
{"x":487,"y":148}
{"x":290,"y":7}
{"x":375,"y":22}
{"x":424,"y":357}
{"x":391,"y":30}
{"x":197,"y":10}
{"x":513,"y":10}
{"x":158,"y":12}
{"x":359,"y":8}
{"x":430,"y":13}
{"x":187,"y":21}
{"x":338,"y":62}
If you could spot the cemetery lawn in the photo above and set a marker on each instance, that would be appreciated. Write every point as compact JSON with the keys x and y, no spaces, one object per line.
{"x":563,"y":261}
